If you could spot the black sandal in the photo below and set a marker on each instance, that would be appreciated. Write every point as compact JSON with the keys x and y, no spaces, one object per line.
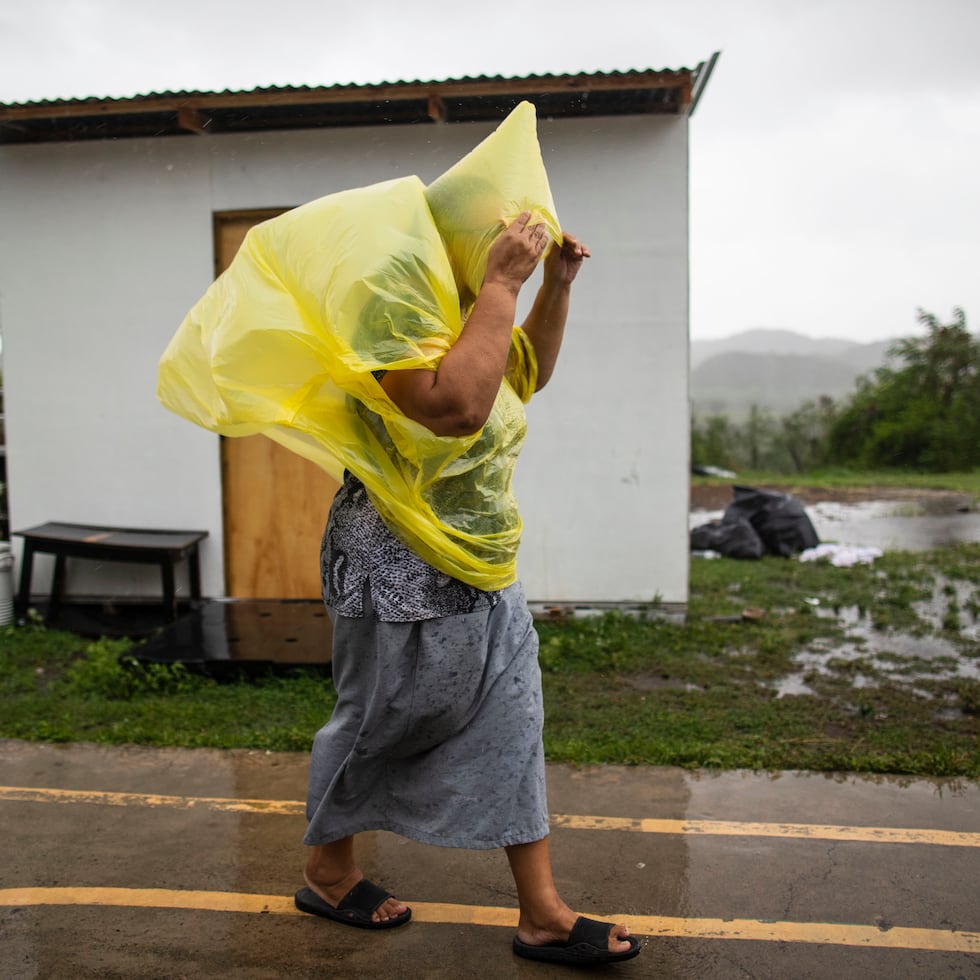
{"x":355,"y":908}
{"x":588,"y":942}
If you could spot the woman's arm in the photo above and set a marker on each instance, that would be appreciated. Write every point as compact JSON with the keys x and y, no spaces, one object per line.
{"x":545,"y":324}
{"x":456,"y":399}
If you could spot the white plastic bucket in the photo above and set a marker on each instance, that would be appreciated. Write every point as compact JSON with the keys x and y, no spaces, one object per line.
{"x":6,"y":584}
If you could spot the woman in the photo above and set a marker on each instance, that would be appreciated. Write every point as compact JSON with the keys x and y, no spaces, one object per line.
{"x":437,"y":730}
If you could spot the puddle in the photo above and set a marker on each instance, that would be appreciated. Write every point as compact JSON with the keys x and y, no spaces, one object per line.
{"x":935,"y":609}
{"x":657,"y":682}
{"x":887,"y":524}
{"x":893,"y":525}
{"x":897,"y":657}
{"x":949,"y":666}
{"x":792,"y":685}
{"x":932,"y":612}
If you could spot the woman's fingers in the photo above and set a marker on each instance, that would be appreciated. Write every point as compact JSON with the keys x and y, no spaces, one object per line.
{"x":517,"y":250}
{"x":574,"y":247}
{"x":522,"y":225}
{"x":563,"y":263}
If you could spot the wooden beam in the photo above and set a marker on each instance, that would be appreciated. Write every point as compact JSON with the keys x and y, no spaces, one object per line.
{"x":436,"y":109}
{"x":193,"y":120}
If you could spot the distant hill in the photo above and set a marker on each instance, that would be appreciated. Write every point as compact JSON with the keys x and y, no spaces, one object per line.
{"x":777,"y":370}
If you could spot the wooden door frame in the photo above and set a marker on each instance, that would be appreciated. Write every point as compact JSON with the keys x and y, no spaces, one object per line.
{"x":277,"y":577}
{"x":222,"y":258}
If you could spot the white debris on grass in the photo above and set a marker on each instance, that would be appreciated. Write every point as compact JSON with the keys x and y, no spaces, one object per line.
{"x":842,"y":555}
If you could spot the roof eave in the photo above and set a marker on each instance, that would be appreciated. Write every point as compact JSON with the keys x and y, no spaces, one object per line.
{"x":451,"y":100}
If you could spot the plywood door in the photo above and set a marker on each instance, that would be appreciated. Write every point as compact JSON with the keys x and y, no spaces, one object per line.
{"x":275,"y":502}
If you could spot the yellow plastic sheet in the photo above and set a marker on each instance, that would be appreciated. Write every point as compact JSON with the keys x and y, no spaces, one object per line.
{"x":494,"y":182}
{"x":286,"y":340}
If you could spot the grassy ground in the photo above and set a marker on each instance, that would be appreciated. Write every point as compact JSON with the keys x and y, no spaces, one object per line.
{"x":883,"y":660}
{"x":879,"y":652}
{"x":968,"y":483}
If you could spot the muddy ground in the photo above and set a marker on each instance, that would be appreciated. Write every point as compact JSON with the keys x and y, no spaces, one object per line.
{"x":719,"y":496}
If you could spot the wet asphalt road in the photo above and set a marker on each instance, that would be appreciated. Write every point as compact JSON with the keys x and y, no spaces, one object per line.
{"x":143,"y":863}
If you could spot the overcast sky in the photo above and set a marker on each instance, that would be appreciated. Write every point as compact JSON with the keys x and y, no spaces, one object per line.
{"x":834,"y":156}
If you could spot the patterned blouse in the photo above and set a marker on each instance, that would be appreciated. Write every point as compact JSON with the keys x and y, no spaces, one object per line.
{"x":358,"y":550}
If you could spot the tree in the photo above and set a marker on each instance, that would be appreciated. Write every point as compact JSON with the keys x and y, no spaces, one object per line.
{"x":803,"y":434}
{"x":758,"y":436}
{"x":754,"y":445}
{"x":713,"y":442}
{"x":923,"y":414}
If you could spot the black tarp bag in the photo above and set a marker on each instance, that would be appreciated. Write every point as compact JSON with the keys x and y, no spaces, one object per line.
{"x":779,"y":519}
{"x":733,"y":539}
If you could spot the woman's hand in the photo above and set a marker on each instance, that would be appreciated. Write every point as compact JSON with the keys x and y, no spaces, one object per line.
{"x":457,"y":398}
{"x":545,"y":324}
{"x":562,"y":264}
{"x":515,"y":254}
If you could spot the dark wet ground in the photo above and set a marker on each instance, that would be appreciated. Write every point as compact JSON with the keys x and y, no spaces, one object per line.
{"x":175,"y":864}
{"x":732,"y":875}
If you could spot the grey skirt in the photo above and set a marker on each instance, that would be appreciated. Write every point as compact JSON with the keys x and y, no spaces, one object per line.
{"x":436,"y":734}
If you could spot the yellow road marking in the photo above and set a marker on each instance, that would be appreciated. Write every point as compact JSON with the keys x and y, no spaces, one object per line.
{"x":730,"y":828}
{"x":825,"y":933}
{"x":723,"y":828}
{"x":31,"y":794}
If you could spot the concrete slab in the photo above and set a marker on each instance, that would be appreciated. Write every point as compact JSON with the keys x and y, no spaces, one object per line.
{"x":134,"y":862}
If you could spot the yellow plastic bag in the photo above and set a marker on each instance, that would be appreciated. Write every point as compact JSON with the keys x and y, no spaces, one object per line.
{"x":313,"y":302}
{"x":285,"y":343}
{"x":497,"y":180}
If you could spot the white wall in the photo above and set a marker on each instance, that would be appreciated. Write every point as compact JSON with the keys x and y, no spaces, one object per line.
{"x":104,"y":246}
{"x":101,"y":245}
{"x":605,"y":497}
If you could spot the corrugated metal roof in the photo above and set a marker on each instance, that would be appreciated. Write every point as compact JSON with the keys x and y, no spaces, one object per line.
{"x":403,"y":102}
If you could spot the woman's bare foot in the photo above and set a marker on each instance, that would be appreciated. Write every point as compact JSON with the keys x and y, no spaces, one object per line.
{"x":555,"y":928}
{"x":544,"y":917}
{"x":332,"y":882}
